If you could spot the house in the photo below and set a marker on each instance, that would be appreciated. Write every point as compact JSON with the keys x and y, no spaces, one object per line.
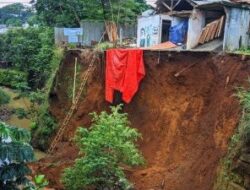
{"x":193,"y":23}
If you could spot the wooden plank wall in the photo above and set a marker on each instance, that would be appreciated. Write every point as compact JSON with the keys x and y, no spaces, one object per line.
{"x":212,"y":30}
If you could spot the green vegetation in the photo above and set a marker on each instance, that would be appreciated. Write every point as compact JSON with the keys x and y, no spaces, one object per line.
{"x":21,"y":113}
{"x":44,"y":124}
{"x":4,"y":97}
{"x":29,"y":51}
{"x":34,"y":62}
{"x":244,"y":51}
{"x":15,"y":14}
{"x":69,"y":13}
{"x":107,"y":146}
{"x":13,"y":78}
{"x":104,"y":46}
{"x":40,"y":183}
{"x":15,"y":153}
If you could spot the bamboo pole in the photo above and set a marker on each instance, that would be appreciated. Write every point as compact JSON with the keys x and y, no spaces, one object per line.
{"x":74,"y":84}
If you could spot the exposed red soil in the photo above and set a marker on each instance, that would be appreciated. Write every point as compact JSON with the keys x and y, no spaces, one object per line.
{"x":186,"y":121}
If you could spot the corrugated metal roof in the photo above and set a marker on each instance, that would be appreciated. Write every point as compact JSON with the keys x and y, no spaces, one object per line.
{"x":202,"y":4}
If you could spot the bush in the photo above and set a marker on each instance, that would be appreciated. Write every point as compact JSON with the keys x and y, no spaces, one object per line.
{"x":106,"y":147}
{"x":44,"y":125}
{"x":4,"y":98}
{"x":43,"y":128}
{"x":13,"y":78}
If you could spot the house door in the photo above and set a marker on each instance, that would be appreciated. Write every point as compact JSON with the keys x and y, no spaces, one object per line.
{"x":166,"y":24}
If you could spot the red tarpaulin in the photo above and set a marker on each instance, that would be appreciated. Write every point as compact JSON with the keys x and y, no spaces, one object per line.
{"x":124,"y":71}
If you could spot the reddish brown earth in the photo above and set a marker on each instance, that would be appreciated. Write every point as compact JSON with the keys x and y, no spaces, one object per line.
{"x":186,"y":122}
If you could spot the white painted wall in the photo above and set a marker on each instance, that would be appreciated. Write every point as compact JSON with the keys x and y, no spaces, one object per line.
{"x":195,"y":26}
{"x":149,"y":30}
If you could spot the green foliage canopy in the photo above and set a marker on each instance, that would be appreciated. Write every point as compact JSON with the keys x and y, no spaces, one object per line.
{"x":69,"y":13}
{"x":29,"y":50}
{"x":13,"y":78}
{"x":15,"y":14}
{"x":109,"y":144}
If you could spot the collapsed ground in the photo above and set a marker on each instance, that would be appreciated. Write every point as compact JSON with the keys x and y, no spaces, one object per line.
{"x":186,"y":122}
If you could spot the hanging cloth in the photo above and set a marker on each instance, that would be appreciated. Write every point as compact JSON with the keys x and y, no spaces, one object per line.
{"x":124,"y":72}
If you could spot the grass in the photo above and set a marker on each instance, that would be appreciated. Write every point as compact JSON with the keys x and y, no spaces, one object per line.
{"x":243,"y":51}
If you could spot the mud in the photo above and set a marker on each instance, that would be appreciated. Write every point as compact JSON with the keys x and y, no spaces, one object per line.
{"x":186,"y":122}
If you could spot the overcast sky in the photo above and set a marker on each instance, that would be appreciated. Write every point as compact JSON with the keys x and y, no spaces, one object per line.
{"x":6,"y":2}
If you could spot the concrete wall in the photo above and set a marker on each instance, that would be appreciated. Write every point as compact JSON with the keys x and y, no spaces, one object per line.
{"x":195,"y":26}
{"x":236,"y":29}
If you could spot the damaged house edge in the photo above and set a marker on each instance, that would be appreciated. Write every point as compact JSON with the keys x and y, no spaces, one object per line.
{"x":191,"y":25}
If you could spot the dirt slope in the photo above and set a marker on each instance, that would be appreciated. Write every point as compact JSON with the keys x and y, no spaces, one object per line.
{"x":185,"y":122}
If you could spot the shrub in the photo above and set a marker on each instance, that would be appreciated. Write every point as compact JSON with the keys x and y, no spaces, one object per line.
{"x":29,"y":50}
{"x":4,"y":98}
{"x":15,"y":153}
{"x":13,"y":78}
{"x":43,"y":128}
{"x":44,"y":125}
{"x":105,"y":148}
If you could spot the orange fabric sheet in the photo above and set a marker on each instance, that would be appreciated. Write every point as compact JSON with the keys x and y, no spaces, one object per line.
{"x":165,"y":45}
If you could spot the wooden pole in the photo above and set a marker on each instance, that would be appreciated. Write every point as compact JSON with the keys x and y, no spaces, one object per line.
{"x":74,"y":84}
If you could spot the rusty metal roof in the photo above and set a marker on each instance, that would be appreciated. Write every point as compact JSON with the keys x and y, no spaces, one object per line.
{"x":179,"y":5}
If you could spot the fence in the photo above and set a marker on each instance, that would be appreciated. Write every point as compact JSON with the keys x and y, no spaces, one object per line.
{"x":91,"y":32}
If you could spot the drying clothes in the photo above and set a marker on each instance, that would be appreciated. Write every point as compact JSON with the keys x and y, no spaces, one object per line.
{"x":124,"y":72}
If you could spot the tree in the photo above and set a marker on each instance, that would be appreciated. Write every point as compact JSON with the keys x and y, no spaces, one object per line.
{"x":69,"y":13}
{"x":59,"y":13}
{"x":15,"y":153}
{"x":29,"y":50}
{"x":15,"y":14}
{"x":105,"y":148}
